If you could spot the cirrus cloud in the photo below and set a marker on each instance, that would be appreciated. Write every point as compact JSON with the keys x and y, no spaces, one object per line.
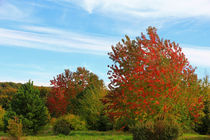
{"x":148,"y":8}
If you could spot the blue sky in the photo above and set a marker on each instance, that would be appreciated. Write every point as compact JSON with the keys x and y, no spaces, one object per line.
{"x":41,"y":38}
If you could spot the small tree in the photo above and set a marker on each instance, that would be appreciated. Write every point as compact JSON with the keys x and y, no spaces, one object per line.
{"x":15,"y":128}
{"x":150,"y":77}
{"x":29,"y":108}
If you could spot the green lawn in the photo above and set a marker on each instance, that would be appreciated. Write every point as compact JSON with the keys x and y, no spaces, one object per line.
{"x":81,"y":135}
{"x":96,"y":135}
{"x":194,"y":137}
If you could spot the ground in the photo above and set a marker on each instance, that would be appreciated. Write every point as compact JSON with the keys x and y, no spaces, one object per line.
{"x":97,"y":135}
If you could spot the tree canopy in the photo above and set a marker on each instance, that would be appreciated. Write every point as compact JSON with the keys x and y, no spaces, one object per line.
{"x":67,"y":86}
{"x":151,"y":77}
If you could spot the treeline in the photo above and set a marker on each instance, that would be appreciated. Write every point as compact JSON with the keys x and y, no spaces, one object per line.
{"x":9,"y":89}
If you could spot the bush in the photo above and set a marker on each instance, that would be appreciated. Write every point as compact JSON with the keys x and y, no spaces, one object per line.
{"x":142,"y":131}
{"x":166,"y":130}
{"x":75,"y":122}
{"x":2,"y":112}
{"x":62,"y":126}
{"x":15,"y":128}
{"x":157,"y":130}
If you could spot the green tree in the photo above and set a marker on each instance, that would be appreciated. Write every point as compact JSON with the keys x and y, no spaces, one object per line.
{"x":90,"y":105}
{"x":29,"y":108}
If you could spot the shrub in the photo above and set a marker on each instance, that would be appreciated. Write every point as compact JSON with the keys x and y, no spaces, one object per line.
{"x":166,"y":130}
{"x":62,"y":126}
{"x":2,"y":112}
{"x":15,"y":128}
{"x":142,"y":131}
{"x":157,"y":130}
{"x":75,"y":122}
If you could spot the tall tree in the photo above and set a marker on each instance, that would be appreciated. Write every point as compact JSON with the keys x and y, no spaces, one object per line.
{"x":151,"y":77}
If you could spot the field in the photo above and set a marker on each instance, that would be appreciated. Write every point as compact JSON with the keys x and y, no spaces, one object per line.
{"x":96,"y":135}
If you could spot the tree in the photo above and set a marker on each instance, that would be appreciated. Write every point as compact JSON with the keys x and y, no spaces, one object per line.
{"x":65,"y":88}
{"x":90,"y":106}
{"x":151,"y":78}
{"x":27,"y":105}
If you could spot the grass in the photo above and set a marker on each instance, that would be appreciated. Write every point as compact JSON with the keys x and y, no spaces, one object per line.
{"x":86,"y":135}
{"x":82,"y":135}
{"x":97,"y":135}
{"x":194,"y":137}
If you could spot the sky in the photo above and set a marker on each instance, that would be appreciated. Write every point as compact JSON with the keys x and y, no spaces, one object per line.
{"x":41,"y":38}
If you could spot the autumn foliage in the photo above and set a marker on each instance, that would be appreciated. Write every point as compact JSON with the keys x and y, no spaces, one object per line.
{"x":149,"y":78}
{"x":65,"y":88}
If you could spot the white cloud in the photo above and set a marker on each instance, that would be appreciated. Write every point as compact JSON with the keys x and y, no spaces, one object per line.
{"x":146,"y":8}
{"x":198,"y":56}
{"x":54,"y":40}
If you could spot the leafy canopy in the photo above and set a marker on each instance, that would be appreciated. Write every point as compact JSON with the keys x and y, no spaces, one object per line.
{"x":67,"y":86}
{"x":150,"y":78}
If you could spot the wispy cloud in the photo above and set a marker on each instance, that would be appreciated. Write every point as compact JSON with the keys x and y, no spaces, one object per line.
{"x":148,"y":8}
{"x":15,"y":11}
{"x":198,"y":56}
{"x":54,"y":40}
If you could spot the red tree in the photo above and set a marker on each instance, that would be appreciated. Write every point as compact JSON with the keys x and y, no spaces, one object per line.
{"x":65,"y":88}
{"x":150,"y":77}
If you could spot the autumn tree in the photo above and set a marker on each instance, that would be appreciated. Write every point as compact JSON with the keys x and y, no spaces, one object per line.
{"x":150,"y":78}
{"x":67,"y":86}
{"x":7,"y":91}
